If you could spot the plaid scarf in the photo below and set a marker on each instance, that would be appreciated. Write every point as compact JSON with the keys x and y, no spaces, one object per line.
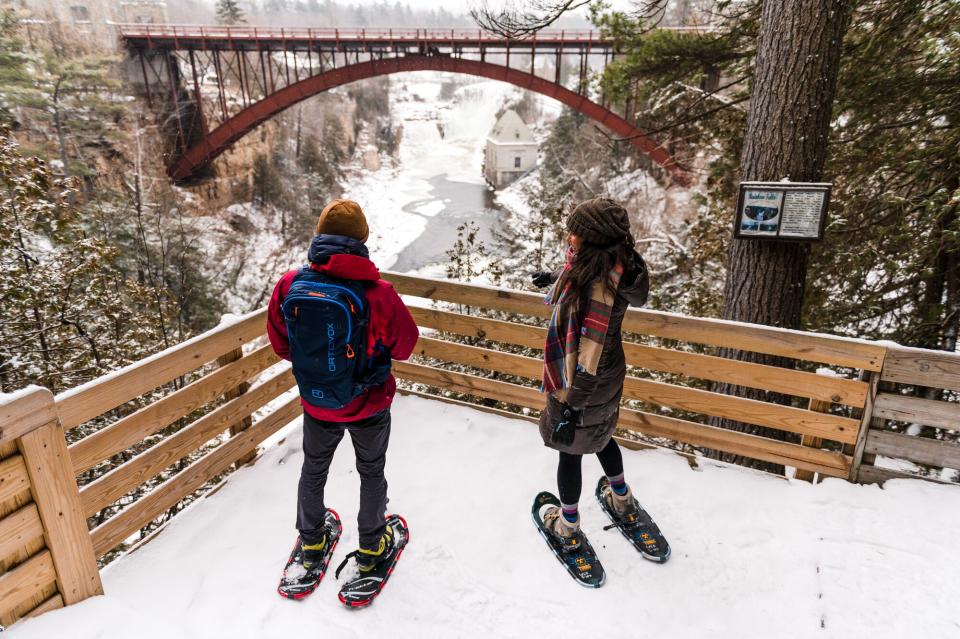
{"x":571,"y":347}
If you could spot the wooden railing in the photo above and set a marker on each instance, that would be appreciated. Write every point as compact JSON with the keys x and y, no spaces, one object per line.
{"x":834,"y":410}
{"x":226,"y":401}
{"x":46,"y":555}
{"x":220,"y":386}
{"x":906,"y":370}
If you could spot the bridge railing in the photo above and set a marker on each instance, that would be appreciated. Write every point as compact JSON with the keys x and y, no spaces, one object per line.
{"x":343,"y":34}
{"x":169,"y":427}
{"x":233,"y":32}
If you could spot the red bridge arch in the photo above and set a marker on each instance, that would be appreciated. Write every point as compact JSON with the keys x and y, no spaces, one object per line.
{"x":202,"y":153}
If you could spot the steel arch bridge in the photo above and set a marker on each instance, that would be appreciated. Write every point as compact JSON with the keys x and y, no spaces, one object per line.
{"x":215,"y":84}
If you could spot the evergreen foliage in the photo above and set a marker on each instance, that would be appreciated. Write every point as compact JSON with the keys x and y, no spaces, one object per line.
{"x":109,"y":272}
{"x":336,"y":141}
{"x":66,"y":87}
{"x":229,"y":12}
{"x":16,"y":81}
{"x":321,"y":175}
{"x":267,"y":188}
{"x":466,"y":251}
{"x":890,"y":264}
{"x":69,"y":312}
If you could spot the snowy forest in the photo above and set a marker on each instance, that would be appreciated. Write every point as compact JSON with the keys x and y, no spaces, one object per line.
{"x":105,"y":260}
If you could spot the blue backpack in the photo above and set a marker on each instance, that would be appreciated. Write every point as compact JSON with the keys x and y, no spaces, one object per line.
{"x":326,"y":320}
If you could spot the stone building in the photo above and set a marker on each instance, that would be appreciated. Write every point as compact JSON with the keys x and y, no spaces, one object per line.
{"x":511,"y":150}
{"x":92,"y":19}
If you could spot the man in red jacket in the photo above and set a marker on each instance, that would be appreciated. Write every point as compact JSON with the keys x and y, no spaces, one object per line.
{"x":338,"y":251}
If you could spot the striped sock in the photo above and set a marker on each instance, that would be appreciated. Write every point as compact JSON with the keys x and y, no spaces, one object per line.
{"x":617,"y":484}
{"x":569,"y":512}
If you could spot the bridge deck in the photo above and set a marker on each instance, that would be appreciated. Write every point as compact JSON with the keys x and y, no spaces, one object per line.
{"x":754,"y":556}
{"x":182,"y":36}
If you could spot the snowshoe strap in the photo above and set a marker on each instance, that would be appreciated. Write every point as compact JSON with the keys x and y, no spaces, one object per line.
{"x":343,"y":563}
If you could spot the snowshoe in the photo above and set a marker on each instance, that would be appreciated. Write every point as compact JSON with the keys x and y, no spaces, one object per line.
{"x":298,"y":581}
{"x":576,"y":554}
{"x":636,"y":525}
{"x":361,"y":591}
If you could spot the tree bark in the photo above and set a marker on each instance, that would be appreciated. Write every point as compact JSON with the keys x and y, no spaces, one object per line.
{"x":788,"y":124}
{"x":58,"y":124}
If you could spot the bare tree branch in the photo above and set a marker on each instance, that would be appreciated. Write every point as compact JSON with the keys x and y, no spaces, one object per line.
{"x":512,"y":21}
{"x":684,"y":120}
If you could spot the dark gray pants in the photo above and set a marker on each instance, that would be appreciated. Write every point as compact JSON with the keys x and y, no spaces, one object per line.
{"x":370,"y":437}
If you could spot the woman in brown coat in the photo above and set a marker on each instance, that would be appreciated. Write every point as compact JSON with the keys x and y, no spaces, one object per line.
{"x":584,"y":365}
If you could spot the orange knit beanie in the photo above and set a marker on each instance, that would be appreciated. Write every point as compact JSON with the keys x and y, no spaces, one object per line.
{"x":343,"y":217}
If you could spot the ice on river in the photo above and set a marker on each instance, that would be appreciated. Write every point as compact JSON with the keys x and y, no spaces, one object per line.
{"x":753,"y":555}
{"x":442,"y":139}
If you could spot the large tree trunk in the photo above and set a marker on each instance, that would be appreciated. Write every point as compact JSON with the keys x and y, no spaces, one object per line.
{"x":795,"y":74}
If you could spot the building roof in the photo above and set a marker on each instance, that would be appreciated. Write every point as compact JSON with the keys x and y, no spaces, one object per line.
{"x":510,"y":128}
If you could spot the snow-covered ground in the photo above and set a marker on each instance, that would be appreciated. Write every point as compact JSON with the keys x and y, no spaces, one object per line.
{"x":753,"y":555}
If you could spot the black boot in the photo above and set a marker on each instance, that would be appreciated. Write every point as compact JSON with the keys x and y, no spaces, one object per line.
{"x":368,"y":558}
{"x":313,"y":550}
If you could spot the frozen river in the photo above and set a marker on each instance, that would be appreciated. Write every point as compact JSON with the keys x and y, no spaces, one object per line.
{"x":462,"y":202}
{"x":416,"y":204}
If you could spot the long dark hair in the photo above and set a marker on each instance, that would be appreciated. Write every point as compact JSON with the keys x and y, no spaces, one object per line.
{"x":593,"y":263}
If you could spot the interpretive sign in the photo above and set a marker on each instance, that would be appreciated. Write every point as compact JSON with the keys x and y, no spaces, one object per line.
{"x":781,"y":211}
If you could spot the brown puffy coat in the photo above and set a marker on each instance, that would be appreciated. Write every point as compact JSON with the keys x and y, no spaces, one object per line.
{"x":598,"y":396}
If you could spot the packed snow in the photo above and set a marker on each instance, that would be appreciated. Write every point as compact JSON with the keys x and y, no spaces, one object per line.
{"x":753,"y":555}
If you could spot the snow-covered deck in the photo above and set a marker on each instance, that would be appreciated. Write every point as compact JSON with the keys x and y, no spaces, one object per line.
{"x":753,"y":555}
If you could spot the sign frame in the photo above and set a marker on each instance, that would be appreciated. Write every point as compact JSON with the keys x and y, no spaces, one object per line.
{"x":779,"y":192}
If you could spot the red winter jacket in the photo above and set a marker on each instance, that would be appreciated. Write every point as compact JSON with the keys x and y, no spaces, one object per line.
{"x":390,"y":324}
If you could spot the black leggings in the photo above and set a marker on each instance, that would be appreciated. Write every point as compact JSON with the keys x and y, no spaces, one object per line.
{"x":570,"y":478}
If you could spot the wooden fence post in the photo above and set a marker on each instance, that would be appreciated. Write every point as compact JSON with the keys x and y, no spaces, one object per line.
{"x":873,"y":378}
{"x":238,"y":390}
{"x":54,"y":490}
{"x":819,"y":406}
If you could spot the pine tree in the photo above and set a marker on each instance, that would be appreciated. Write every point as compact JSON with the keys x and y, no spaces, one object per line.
{"x":72,"y":89}
{"x":335,"y":140}
{"x":321,"y":178}
{"x":229,"y":12}
{"x":788,"y":126}
{"x":889,"y":266}
{"x":267,"y":188}
{"x":17,"y":86}
{"x":69,"y":312}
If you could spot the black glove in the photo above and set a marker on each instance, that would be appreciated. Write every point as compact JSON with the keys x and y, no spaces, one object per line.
{"x":565,"y":429}
{"x":542,"y":279}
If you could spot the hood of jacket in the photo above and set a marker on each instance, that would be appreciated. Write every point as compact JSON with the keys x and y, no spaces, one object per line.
{"x":343,"y":257}
{"x":635,"y":283}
